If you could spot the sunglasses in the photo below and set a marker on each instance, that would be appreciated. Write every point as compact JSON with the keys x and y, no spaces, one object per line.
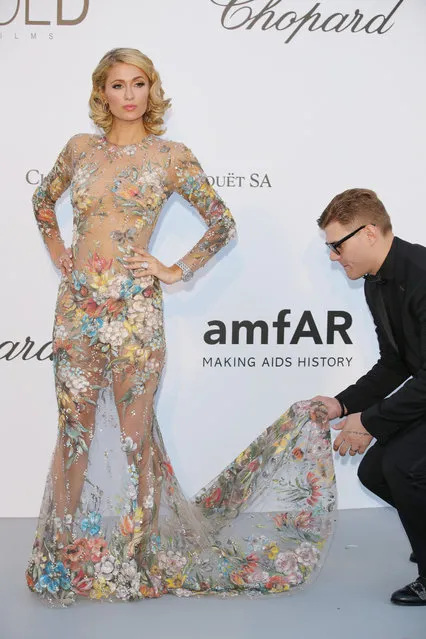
{"x":334,"y":246}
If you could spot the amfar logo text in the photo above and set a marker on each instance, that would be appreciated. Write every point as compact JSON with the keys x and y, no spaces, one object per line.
{"x":304,"y":327}
{"x":33,"y":15}
{"x":248,"y":14}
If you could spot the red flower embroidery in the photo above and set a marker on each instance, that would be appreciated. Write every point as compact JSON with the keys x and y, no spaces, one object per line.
{"x":114,"y":306}
{"x":214,"y":498}
{"x":303,"y":520}
{"x":168,"y":467}
{"x":280,"y":520}
{"x":82,"y":584}
{"x":76,"y":554}
{"x":315,"y":491}
{"x":98,"y":264}
{"x":91,"y":307}
{"x":46,"y":215}
{"x":254,"y":465}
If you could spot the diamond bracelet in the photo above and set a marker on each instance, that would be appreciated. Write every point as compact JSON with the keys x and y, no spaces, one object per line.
{"x":187,"y":274}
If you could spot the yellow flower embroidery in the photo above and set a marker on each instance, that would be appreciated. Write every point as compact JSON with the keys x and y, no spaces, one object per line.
{"x":65,"y":400}
{"x":138,"y":518}
{"x":79,"y":314}
{"x":237,"y":579}
{"x":272,"y":550}
{"x":279,"y":588}
{"x":100,"y":281}
{"x":100,"y":589}
{"x":176,"y":582}
{"x":242,"y":457}
{"x":282,"y":445}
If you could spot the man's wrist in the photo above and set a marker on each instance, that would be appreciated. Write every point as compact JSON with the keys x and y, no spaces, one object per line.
{"x":343,"y":409}
{"x":362,"y":423}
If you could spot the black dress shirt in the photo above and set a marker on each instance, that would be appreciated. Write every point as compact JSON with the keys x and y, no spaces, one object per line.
{"x":387,"y":288}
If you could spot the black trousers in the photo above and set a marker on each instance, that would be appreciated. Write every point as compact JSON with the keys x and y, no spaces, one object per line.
{"x":396,"y":472}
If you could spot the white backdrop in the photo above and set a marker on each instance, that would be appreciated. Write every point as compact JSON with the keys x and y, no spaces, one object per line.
{"x":324,"y":112}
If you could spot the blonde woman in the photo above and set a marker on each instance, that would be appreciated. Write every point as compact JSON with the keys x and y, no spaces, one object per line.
{"x":115,"y":524}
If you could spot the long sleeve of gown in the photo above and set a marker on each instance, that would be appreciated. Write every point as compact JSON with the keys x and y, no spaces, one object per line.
{"x":190,"y":181}
{"x":45,"y":197}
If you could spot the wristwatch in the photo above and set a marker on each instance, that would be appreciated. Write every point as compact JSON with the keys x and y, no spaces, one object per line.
{"x":187,"y":274}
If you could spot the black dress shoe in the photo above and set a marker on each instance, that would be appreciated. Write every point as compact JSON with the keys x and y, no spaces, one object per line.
{"x":412,"y":595}
{"x":413,"y":558}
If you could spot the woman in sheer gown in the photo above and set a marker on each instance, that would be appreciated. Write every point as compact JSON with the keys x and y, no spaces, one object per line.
{"x":114,"y":522}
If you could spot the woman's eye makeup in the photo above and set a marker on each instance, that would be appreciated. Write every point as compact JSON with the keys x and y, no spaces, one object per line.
{"x":118,"y":85}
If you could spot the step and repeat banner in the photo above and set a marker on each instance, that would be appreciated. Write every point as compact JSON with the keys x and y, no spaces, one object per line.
{"x":285,"y":103}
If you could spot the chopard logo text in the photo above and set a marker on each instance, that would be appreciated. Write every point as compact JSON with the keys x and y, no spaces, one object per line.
{"x":274,"y":15}
{"x":26,"y":350}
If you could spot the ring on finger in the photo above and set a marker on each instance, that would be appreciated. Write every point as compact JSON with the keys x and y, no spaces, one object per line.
{"x":144,"y":265}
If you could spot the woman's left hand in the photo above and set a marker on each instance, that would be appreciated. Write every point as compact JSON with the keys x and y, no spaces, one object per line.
{"x":142,"y":264}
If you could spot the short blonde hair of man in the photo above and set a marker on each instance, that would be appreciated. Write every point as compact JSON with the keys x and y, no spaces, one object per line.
{"x":153,"y":118}
{"x":356,"y":206}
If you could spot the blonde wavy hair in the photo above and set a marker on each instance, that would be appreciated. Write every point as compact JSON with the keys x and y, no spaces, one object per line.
{"x":153,"y":118}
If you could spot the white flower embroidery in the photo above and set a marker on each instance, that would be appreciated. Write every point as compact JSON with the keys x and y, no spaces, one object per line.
{"x":171,"y":562}
{"x":307,"y":555}
{"x":113,"y":333}
{"x":286,"y":562}
{"x":128,"y":445}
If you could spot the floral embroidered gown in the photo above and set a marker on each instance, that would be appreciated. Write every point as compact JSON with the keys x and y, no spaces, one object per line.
{"x":114,"y":523}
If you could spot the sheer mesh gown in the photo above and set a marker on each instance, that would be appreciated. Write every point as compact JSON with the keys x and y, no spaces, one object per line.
{"x":114,"y":522}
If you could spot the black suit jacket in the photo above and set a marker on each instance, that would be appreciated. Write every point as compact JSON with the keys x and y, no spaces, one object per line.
{"x":401,"y":358}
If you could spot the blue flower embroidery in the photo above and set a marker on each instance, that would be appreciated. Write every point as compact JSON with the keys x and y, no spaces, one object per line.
{"x":91,"y":524}
{"x":78,"y":280}
{"x":91,"y":325}
{"x":55,"y":576}
{"x":129,"y":288}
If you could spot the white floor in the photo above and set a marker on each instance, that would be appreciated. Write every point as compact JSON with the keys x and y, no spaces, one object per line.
{"x":349,"y":600}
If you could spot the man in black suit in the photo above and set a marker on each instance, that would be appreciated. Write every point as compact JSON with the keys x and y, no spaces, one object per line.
{"x":359,"y":235}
